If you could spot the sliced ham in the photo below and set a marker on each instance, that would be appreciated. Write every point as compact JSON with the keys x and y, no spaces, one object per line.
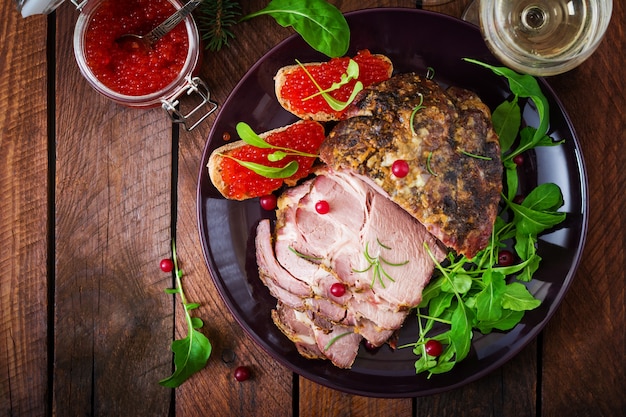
{"x":366,"y":242}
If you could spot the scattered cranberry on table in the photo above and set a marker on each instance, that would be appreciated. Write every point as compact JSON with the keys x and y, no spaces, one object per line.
{"x":166,"y":265}
{"x":242,"y":373}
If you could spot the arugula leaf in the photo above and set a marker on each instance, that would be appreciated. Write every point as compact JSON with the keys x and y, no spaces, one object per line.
{"x":193,"y":351}
{"x":478,"y":294}
{"x":335,"y":104}
{"x":461,"y":330}
{"x":506,"y":120}
{"x":489,"y":300}
{"x":319,"y":23}
{"x":352,"y":73}
{"x":524,"y":85}
{"x":516,"y":297}
{"x":250,"y":137}
{"x":269,"y":172}
{"x":507,"y":321}
{"x":537,"y":212}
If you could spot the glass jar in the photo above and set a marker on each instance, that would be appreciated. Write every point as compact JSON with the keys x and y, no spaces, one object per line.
{"x":185,"y":82}
{"x":167,"y":85}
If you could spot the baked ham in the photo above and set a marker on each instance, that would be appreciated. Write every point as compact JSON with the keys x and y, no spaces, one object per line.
{"x":454,"y":179}
{"x":366,"y":242}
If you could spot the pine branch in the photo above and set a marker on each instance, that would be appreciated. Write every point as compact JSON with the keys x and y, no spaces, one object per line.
{"x":215,"y":18}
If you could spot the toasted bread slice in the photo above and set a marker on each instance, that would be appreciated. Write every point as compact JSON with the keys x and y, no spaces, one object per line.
{"x":294,"y":87}
{"x":236,"y":182}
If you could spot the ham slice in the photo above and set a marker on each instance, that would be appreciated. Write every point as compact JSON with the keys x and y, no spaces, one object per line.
{"x":365,"y":242}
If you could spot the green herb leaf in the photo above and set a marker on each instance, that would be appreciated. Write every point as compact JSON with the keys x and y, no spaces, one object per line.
{"x":378,"y":264}
{"x":193,"y":351}
{"x":352,"y":73}
{"x":496,"y":298}
{"x":511,"y":177}
{"x":277,"y":156}
{"x":339,"y":105}
{"x":507,"y":321}
{"x":461,"y":330}
{"x":334,"y":104}
{"x":489,"y":300}
{"x":506,"y":119}
{"x":414,"y":112}
{"x":269,"y":172}
{"x":537,"y":212}
{"x":319,"y":23}
{"x":334,"y":339}
{"x":516,"y":297}
{"x":524,"y":85}
{"x":190,"y":355}
{"x":249,"y":136}
{"x":458,"y":283}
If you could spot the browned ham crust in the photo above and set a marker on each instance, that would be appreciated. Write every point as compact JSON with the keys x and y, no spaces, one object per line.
{"x":455,"y":178}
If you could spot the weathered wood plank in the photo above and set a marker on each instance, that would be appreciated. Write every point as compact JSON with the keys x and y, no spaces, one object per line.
{"x":585,"y":342}
{"x":113,"y":322}
{"x":214,"y":391}
{"x":24,"y":214}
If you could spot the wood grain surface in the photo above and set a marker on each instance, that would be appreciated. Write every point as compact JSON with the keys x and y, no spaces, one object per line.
{"x":93,"y":193}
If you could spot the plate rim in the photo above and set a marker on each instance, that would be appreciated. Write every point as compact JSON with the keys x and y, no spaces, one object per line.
{"x":307,"y":373}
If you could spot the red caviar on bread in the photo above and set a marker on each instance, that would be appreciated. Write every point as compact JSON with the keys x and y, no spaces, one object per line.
{"x":236,"y":182}
{"x":298,"y":94}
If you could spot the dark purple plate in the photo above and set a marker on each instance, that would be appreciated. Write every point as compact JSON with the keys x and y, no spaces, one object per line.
{"x":414,"y":40}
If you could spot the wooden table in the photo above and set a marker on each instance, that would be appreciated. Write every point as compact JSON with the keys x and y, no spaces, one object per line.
{"x":92,"y":194}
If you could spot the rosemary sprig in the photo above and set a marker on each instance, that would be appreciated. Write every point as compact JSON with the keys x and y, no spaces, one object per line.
{"x":377,"y":263}
{"x":334,"y":339}
{"x":417,"y":108}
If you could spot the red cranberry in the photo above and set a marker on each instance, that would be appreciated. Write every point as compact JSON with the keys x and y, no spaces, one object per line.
{"x":433,"y":347}
{"x":505,"y":258}
{"x":370,"y":347}
{"x":400,"y":168}
{"x":518,"y":160}
{"x":518,"y":199}
{"x":242,"y":373}
{"x":166,"y":265}
{"x":268,"y":202}
{"x":337,"y":289}
{"x":322,"y":207}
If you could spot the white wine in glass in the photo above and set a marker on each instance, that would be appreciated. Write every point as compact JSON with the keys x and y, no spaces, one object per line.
{"x":543,"y":37}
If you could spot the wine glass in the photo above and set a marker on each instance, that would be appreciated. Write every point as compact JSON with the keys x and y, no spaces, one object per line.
{"x":541,"y":37}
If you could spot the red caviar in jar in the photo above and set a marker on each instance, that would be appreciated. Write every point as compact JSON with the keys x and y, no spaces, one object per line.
{"x":134,"y":72}
{"x":298,"y":85}
{"x":242,"y":183}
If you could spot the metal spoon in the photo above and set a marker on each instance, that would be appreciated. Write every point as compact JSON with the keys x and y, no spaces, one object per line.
{"x":146,"y":41}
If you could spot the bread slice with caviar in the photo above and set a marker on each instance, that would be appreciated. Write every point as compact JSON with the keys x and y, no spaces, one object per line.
{"x":241,"y":171}
{"x":298,"y":87}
